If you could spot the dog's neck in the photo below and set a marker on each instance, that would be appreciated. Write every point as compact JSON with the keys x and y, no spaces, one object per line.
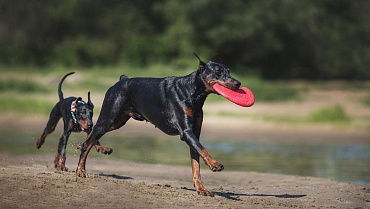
{"x":198,"y":93}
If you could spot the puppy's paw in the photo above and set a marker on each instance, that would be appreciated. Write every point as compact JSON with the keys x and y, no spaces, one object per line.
{"x":39,"y":143}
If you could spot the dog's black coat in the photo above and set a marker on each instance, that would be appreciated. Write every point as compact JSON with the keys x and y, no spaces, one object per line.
{"x":172,"y":104}
{"x":77,"y":116}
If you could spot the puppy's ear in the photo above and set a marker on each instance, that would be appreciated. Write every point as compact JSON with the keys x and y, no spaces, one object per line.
{"x":201,"y":64}
{"x":79,"y":100}
{"x":73,"y":106}
{"x":89,"y":100}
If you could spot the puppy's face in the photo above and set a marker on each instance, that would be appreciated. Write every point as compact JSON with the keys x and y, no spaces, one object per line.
{"x":84,"y":116}
{"x":84,"y":113}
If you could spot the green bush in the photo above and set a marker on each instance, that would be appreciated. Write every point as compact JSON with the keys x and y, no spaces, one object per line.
{"x":331,"y":114}
{"x":280,"y":39}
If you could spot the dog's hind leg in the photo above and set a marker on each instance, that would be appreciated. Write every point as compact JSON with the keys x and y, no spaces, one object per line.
{"x":103,"y":150}
{"x":112,"y":116}
{"x":99,"y":130}
{"x":54,"y":118}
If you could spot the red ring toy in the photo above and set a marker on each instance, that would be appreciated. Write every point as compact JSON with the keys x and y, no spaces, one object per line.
{"x":243,"y":97}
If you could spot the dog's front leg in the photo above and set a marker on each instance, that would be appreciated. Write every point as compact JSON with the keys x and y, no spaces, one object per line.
{"x":196,"y":150}
{"x":189,"y":137}
{"x":195,"y":167}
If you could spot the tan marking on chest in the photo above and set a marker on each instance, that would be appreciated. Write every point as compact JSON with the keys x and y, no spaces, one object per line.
{"x":188,"y":111}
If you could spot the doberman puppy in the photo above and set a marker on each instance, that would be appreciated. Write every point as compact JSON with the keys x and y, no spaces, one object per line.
{"x":172,"y":104}
{"x":77,"y":116}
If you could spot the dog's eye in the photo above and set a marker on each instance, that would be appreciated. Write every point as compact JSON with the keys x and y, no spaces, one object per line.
{"x":219,"y":71}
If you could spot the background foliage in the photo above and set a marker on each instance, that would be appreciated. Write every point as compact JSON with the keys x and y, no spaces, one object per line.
{"x":308,"y":39}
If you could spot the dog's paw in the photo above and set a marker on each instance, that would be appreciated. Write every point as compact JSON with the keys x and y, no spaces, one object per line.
{"x":39,"y":143}
{"x":81,"y":173}
{"x":204,"y":192}
{"x":105,"y":150}
{"x":216,"y":166}
{"x":61,"y":167}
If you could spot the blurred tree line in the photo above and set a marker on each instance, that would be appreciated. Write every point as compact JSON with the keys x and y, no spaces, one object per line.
{"x":273,"y":38}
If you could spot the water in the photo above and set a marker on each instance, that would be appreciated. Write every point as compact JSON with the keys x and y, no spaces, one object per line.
{"x":344,"y":162}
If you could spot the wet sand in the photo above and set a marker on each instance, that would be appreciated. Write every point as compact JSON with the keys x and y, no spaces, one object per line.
{"x":32,"y":182}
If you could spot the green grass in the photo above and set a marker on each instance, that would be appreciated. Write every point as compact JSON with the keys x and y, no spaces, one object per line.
{"x":270,"y":91}
{"x":99,"y":79}
{"x":266,"y":91}
{"x":366,"y":101}
{"x":21,"y":86}
{"x":25,"y":106}
{"x":332,"y":114}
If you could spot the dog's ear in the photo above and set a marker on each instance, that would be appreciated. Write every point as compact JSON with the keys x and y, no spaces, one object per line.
{"x":201,"y":64}
{"x":89,"y":100}
{"x":79,"y":100}
{"x":73,"y":106}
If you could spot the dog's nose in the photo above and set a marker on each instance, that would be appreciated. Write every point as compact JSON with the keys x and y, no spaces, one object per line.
{"x":237,"y":84}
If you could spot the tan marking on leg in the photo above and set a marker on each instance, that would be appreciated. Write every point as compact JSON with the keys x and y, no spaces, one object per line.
{"x":196,"y":174}
{"x":213,"y":164}
{"x":80,"y":171}
{"x":41,"y":141}
{"x":197,"y":178}
{"x":119,"y":122}
{"x":103,"y":150}
{"x":88,"y":136}
{"x":60,"y":163}
{"x":71,"y":125}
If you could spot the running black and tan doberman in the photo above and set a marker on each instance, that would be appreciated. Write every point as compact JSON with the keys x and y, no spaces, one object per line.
{"x":172,"y":104}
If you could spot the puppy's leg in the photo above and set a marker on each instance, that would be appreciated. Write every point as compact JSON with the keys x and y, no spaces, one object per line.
{"x":54,"y":118}
{"x":60,"y":157}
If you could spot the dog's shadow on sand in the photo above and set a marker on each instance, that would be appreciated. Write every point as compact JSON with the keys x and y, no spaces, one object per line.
{"x":115,"y":176}
{"x":235,"y":196}
{"x":227,"y":195}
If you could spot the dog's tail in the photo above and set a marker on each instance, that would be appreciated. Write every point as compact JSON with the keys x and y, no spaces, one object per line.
{"x":60,"y":93}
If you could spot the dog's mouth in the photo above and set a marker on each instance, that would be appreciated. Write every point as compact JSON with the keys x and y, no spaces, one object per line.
{"x":227,"y":85}
{"x":87,"y":130}
{"x":83,"y":125}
